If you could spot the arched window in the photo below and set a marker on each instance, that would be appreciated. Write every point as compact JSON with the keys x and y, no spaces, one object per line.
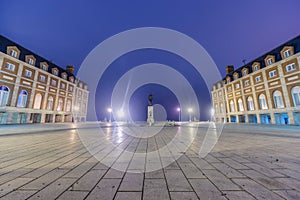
{"x":241,"y":106}
{"x":37,"y":101}
{"x":278,"y":102}
{"x":22,"y":99}
{"x":50,"y":103}
{"x":4,"y":94}
{"x":232,"y":106}
{"x":296,"y":95}
{"x":68,"y":106}
{"x":262,"y":102}
{"x":60,"y":104}
{"x":250,"y":103}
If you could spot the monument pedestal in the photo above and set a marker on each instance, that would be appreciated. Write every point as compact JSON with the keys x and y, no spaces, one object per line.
{"x":150,"y":119}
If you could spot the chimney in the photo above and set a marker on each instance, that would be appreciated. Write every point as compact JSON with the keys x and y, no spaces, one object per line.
{"x":70,"y":69}
{"x":229,"y":69}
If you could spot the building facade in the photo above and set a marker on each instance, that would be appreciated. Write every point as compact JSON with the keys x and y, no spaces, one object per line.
{"x":264,"y":91}
{"x":34,"y":90}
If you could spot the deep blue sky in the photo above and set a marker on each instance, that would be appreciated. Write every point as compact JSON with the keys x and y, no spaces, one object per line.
{"x":66,"y":31}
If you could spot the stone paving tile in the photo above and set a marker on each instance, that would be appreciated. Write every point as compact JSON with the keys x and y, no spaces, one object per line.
{"x":233,"y":164}
{"x":293,"y":183}
{"x":89,"y":180}
{"x":209,"y":158}
{"x":201,"y":163}
{"x":264,"y":180}
{"x":206,"y":190}
{"x":113,"y":173}
{"x":128,"y":196}
{"x":72,"y":195}
{"x":183,"y":196}
{"x":105,"y":189}
{"x":264,"y":170}
{"x":155,"y":174}
{"x":290,"y":173}
{"x":176,"y":181}
{"x":228,"y":171}
{"x":221,"y":181}
{"x":289,"y":194}
{"x":100,"y":165}
{"x":238,"y":195}
{"x":12,"y":175}
{"x":257,"y":190}
{"x":13,"y":185}
{"x":191,"y":171}
{"x":155,"y":189}
{"x":79,"y":170}
{"x":18,"y":194}
{"x":54,"y":189}
{"x":44,"y":180}
{"x":132,"y":182}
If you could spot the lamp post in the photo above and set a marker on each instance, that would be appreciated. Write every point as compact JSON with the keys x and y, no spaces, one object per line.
{"x":178,"y":110}
{"x":110,"y":111}
{"x":190,"y":110}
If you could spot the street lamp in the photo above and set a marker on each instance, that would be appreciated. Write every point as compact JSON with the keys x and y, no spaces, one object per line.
{"x":110,"y":111}
{"x":190,"y":110}
{"x":178,"y":110}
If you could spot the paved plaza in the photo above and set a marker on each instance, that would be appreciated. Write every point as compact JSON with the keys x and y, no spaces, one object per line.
{"x":55,"y":162}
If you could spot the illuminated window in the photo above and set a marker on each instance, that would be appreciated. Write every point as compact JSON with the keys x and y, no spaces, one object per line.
{"x":37,"y":101}
{"x":241,"y":106}
{"x":232,"y":109}
{"x":296,"y":95}
{"x":50,"y":103}
{"x":22,"y":99}
{"x":277,"y":97}
{"x":250,"y":103}
{"x":4,"y":94}
{"x":262,"y":102}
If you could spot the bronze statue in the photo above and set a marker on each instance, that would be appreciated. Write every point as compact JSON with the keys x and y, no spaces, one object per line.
{"x":150,"y":99}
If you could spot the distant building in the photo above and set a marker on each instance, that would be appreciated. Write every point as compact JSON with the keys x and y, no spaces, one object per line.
{"x":34,"y":90}
{"x":265,"y":91}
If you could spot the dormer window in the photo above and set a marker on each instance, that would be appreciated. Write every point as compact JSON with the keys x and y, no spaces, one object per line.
{"x":80,"y":85}
{"x":72,"y":79}
{"x":55,"y":71}
{"x":228,"y":79}
{"x":64,"y":75}
{"x":255,"y":68}
{"x":245,"y":72}
{"x":85,"y":87}
{"x":30,"y":59}
{"x":235,"y":76}
{"x":44,"y":66}
{"x":286,"y":53}
{"x":13,"y":51}
{"x":270,"y":61}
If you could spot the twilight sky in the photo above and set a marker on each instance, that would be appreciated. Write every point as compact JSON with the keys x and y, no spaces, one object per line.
{"x":65,"y":31}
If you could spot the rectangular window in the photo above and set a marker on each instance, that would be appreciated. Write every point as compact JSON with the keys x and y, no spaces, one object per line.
{"x":255,"y":68}
{"x":28,"y":73}
{"x":44,"y":67}
{"x":42,"y":78}
{"x":246,"y":83}
{"x":286,"y":53}
{"x":290,"y":67}
{"x":229,"y":89}
{"x":270,"y":61}
{"x":30,"y":61}
{"x":272,"y":73}
{"x":257,"y":78}
{"x":70,"y":88}
{"x":10,"y":66}
{"x":63,"y":86}
{"x":13,"y":53}
{"x":53,"y":82}
{"x":237,"y":86}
